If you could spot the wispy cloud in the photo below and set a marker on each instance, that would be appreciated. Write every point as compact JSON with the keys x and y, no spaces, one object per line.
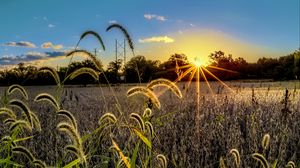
{"x":48,"y":45}
{"x":164,"y":39}
{"x":20,"y":44}
{"x":51,"y":25}
{"x":112,"y":21}
{"x":154,"y":16}
{"x":29,"y":56}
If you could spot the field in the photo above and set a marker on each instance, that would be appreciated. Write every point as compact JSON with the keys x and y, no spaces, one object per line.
{"x":237,"y":119}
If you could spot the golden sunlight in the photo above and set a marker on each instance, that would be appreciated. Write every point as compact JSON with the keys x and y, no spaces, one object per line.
{"x":198,"y":62}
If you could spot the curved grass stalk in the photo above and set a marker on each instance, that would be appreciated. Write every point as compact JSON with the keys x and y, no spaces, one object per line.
{"x":22,"y":124}
{"x":53,"y":73}
{"x":167,"y":83}
{"x":108,"y":117}
{"x":24,"y":151}
{"x":265,"y":141}
{"x":235,"y":153}
{"x":138,"y":119}
{"x":70,"y":130}
{"x":22,"y":106}
{"x":148,"y":93}
{"x":125,"y":33}
{"x":84,"y":70}
{"x":69,"y":116}
{"x":36,"y":121}
{"x":95,"y":34}
{"x":150,"y":128}
{"x":261,"y":159}
{"x":163,"y":160}
{"x":90,"y":55}
{"x":73,"y":149}
{"x":8,"y":112}
{"x":19,"y":88}
{"x":147,"y":112}
{"x":222,"y":163}
{"x":8,"y":139}
{"x":291,"y":164}
{"x":9,"y":120}
{"x":49,"y":98}
{"x":39,"y":163}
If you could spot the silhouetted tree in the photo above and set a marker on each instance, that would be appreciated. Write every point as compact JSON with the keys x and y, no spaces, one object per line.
{"x":138,"y":67}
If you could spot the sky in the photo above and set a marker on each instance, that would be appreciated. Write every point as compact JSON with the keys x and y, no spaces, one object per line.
{"x":41,"y":32}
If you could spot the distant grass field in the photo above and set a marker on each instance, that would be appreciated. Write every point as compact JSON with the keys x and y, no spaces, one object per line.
{"x":236,"y":119}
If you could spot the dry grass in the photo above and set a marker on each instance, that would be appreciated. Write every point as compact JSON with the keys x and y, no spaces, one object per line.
{"x":238,"y":120}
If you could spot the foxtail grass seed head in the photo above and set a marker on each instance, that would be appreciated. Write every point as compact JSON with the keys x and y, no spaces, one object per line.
{"x":19,"y":88}
{"x":235,"y":153}
{"x":21,"y":124}
{"x":35,"y":121}
{"x":163,"y":160}
{"x":147,"y":112}
{"x":49,"y":98}
{"x":265,"y":141}
{"x":73,"y":149}
{"x":9,"y":120}
{"x":126,"y":34}
{"x":21,"y":105}
{"x":24,"y":151}
{"x":85,"y":70}
{"x":291,"y":164}
{"x":150,"y":128}
{"x":88,"y":54}
{"x":96,"y":35}
{"x":261,"y":159}
{"x":70,"y":130}
{"x":108,"y":117}
{"x":39,"y":163}
{"x":146,"y":92}
{"x":69,"y":116}
{"x":8,"y":112}
{"x":53,"y":73}
{"x":222,"y":163}
{"x":167,"y":83}
{"x":138,"y":119}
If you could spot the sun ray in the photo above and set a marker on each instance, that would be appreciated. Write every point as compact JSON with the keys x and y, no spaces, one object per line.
{"x":211,"y":74}
{"x":198,"y":93}
{"x":191,"y":77}
{"x":207,"y":83}
{"x":222,"y":69}
{"x":178,"y":79}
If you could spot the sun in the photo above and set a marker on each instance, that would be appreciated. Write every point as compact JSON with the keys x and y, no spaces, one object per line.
{"x":198,"y":62}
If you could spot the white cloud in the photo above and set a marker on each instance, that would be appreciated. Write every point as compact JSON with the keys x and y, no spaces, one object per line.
{"x":192,"y":25}
{"x":154,"y":16}
{"x":164,"y":39}
{"x":51,"y":25}
{"x":20,"y":44}
{"x":47,"y":45}
{"x":112,"y":21}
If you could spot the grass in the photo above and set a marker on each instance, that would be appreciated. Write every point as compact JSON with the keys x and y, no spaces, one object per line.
{"x":234,"y":130}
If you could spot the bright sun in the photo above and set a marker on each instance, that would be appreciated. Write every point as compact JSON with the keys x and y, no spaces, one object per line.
{"x":198,"y":62}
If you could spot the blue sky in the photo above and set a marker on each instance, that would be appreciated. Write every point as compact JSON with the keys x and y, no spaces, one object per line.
{"x":36,"y":30}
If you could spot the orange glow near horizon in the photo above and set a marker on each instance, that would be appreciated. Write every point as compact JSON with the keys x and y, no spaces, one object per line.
{"x":197,"y":70}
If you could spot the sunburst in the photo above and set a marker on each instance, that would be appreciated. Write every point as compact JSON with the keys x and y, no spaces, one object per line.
{"x":198,"y":70}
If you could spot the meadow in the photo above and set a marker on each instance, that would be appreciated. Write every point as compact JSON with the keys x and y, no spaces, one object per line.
{"x":255,"y":124}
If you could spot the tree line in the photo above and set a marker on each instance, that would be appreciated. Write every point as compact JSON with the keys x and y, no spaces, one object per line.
{"x":141,"y":69}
